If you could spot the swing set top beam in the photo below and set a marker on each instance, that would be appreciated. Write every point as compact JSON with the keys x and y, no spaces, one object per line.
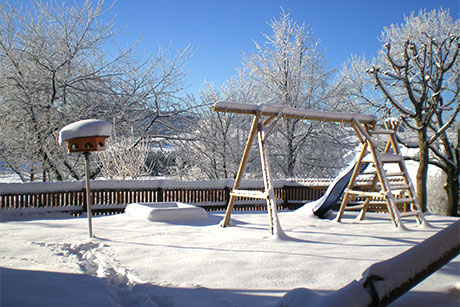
{"x":290,"y":112}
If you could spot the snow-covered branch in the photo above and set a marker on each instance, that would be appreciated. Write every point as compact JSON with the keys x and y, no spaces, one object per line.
{"x":446,"y":126}
{"x":374,"y":71}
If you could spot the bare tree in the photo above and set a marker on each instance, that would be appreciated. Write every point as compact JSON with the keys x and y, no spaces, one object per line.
{"x":417,"y":71}
{"x":214,"y":142}
{"x":54,"y":69}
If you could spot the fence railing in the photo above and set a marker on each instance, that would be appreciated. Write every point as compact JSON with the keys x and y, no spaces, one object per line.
{"x":111,"y":196}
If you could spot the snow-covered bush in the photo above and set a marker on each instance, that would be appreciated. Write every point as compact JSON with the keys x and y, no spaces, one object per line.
{"x":122,"y":160}
{"x":437,"y":197}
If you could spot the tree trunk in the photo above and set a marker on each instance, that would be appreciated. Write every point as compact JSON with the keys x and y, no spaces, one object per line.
{"x":451,"y":167}
{"x":48,"y":164}
{"x":422,"y":172}
{"x":289,"y":153}
{"x":456,"y":179}
{"x":452,"y":190}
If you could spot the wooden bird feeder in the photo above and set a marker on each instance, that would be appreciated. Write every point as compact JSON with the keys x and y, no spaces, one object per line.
{"x":92,"y":143}
{"x":86,"y":136}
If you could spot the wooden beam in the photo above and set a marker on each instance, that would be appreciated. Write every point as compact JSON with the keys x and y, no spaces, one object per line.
{"x":249,"y":193}
{"x":290,"y":112}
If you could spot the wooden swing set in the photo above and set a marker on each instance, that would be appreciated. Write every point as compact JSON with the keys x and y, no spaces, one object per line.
{"x":265,"y":119}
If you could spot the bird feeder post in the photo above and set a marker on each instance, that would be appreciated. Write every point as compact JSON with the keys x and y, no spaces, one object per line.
{"x":88,"y":197}
{"x":86,"y":136}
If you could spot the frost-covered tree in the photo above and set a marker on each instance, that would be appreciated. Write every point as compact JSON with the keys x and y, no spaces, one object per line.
{"x":214,"y":141}
{"x":417,"y":72}
{"x":289,"y":69}
{"x":57,"y":66}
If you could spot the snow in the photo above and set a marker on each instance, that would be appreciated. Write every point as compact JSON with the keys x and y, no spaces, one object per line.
{"x":63,"y":186}
{"x":351,"y":295}
{"x":50,"y":261}
{"x":386,"y":275}
{"x":166,"y":211}
{"x":397,"y":270}
{"x":85,"y":128}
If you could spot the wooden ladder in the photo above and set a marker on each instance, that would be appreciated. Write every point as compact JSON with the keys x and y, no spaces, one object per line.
{"x":382,"y":191}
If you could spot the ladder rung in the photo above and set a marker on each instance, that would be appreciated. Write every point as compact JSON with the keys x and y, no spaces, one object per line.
{"x":399,"y":187}
{"x":382,"y":131}
{"x":384,"y":158}
{"x":389,"y":157}
{"x":396,"y":186}
{"x":251,"y":194}
{"x":364,"y":193}
{"x":397,"y":201}
{"x":404,"y":200}
{"x":396,"y":174}
{"x":377,"y":202}
{"x":369,"y":173}
{"x":411,"y":213}
{"x":354,"y":207}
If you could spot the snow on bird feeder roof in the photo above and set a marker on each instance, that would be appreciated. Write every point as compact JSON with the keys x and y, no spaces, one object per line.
{"x":85,"y":135}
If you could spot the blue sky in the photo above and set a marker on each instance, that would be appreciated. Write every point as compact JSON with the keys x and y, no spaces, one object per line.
{"x":221,"y":30}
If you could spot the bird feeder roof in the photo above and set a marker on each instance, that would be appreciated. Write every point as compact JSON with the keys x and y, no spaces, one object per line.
{"x":85,"y":128}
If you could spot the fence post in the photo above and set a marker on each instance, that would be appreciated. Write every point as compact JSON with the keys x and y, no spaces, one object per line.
{"x":285,"y":197}
{"x":160,"y":194}
{"x":226,"y":195}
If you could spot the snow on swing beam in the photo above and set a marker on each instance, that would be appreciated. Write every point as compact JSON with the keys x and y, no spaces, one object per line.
{"x":290,"y":112}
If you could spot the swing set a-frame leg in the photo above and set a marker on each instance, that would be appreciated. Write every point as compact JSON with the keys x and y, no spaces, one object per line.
{"x":239,"y":175}
{"x":275,"y":227}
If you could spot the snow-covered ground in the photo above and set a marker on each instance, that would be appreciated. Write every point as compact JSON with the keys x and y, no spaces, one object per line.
{"x":50,"y":261}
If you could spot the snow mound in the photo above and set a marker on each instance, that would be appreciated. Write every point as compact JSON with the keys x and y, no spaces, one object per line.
{"x":352,"y":295}
{"x":165,"y":211}
{"x":85,"y":128}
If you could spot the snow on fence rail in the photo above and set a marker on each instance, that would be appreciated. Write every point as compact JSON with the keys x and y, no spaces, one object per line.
{"x":389,"y":279}
{"x":114,"y":195}
{"x":385,"y":281}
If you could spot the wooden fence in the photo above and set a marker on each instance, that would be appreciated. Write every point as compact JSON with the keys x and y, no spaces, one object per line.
{"x":109,"y":197}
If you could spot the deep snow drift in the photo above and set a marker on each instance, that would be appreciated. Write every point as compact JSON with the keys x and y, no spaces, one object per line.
{"x":133,"y":262}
